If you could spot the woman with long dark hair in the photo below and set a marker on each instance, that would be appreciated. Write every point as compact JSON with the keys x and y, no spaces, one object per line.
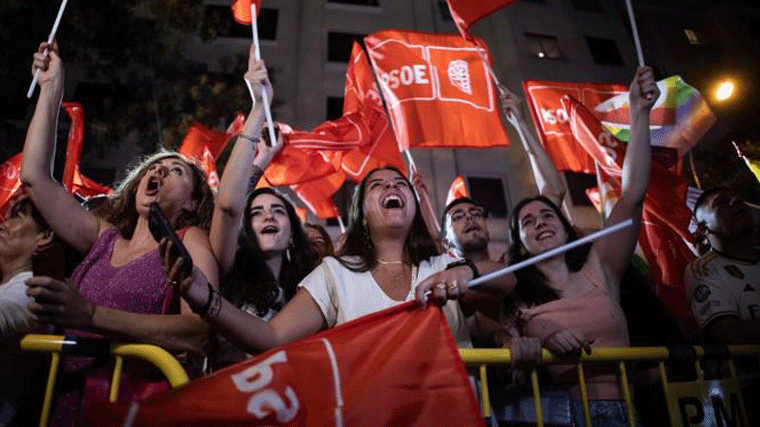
{"x":571,"y":301}
{"x":388,"y":251}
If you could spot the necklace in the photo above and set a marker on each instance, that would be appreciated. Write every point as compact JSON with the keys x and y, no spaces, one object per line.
{"x":379,"y":261}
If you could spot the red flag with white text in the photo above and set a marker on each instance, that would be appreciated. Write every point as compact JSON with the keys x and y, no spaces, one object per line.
{"x":396,"y":367}
{"x":468,"y":12}
{"x":664,"y":235}
{"x":438,"y":90}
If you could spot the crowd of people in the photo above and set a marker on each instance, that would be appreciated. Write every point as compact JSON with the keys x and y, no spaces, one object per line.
{"x":260,"y":278}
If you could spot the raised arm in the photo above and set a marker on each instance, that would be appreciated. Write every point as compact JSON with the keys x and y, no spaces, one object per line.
{"x":547,"y":177}
{"x":426,"y":208}
{"x":77,"y":227}
{"x":616,"y":249}
{"x":247,"y":162}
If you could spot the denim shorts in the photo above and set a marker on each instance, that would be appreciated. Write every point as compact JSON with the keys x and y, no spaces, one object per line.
{"x":604,"y":413}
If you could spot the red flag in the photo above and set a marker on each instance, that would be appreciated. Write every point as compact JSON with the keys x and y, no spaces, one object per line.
{"x":204,"y":145}
{"x":317,"y":195}
{"x":664,"y":236}
{"x":457,"y":190}
{"x":303,"y":213}
{"x":236,"y":126}
{"x":467,"y":12}
{"x":438,"y":90}
{"x":10,"y":182}
{"x":85,"y":187}
{"x":399,"y":366}
{"x":241,"y":10}
{"x":552,"y":120}
{"x":74,"y":143}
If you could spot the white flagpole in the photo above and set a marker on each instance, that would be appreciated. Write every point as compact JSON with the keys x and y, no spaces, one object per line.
{"x":552,"y":253}
{"x":341,"y":225}
{"x":257,"y":55}
{"x":635,"y":32}
{"x":51,"y":37}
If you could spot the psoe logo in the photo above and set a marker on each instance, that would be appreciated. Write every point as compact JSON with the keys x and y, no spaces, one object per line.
{"x":459,"y":75}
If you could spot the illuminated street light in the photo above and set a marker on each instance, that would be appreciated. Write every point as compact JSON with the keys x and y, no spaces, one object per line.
{"x":725,"y":90}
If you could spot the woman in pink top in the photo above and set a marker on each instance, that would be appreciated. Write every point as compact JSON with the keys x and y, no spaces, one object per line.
{"x":567,"y":303}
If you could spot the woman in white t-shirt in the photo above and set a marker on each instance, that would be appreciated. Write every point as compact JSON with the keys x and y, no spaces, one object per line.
{"x":388,"y":252}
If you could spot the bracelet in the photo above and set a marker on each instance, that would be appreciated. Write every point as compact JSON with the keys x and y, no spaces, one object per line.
{"x":467,"y":262}
{"x":253,"y":140}
{"x":213,"y":300}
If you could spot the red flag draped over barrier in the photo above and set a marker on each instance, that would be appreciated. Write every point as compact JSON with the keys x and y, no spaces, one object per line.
{"x":241,"y":10}
{"x":437,"y":88}
{"x":468,"y":12}
{"x":457,"y":190}
{"x":397,"y":367}
{"x":664,"y":233}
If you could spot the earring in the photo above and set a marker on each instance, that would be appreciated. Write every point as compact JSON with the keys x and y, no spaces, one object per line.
{"x":287,"y":250}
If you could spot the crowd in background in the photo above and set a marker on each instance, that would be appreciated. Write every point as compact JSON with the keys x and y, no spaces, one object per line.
{"x":260,"y":278}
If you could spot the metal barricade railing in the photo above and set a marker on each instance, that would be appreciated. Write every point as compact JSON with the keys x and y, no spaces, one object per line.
{"x":58,"y":345}
{"x":482,"y":358}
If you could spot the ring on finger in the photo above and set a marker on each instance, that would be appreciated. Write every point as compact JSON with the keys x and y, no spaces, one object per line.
{"x":440,"y":286}
{"x":452,"y":285}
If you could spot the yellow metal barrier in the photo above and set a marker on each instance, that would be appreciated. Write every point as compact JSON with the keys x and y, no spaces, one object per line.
{"x":59,"y":344}
{"x":659,"y":355}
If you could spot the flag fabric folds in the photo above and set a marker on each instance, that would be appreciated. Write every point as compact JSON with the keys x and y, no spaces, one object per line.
{"x":241,"y":10}
{"x":74,"y":143}
{"x":437,"y":89}
{"x":457,"y":190}
{"x":679,"y":118}
{"x":467,"y":12}
{"x":544,"y":100}
{"x":395,"y":367}
{"x":664,"y":236}
{"x":10,"y":183}
{"x":204,"y":145}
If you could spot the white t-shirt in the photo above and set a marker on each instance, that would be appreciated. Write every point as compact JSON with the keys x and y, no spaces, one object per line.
{"x":344,"y":295}
{"x":720,"y":286}
{"x":14,"y":316}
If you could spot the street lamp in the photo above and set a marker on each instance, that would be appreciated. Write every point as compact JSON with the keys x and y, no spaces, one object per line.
{"x":725,"y":90}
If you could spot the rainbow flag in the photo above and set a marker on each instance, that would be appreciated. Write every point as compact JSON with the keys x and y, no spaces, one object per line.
{"x":679,"y":118}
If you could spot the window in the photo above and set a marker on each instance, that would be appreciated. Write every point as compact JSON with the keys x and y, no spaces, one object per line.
{"x":587,"y":5}
{"x":218,"y":22}
{"x":542,"y":46}
{"x":577,"y":184}
{"x":604,"y":51}
{"x":694,"y":37}
{"x":356,"y":2}
{"x":334,"y":107}
{"x":339,"y":46}
{"x":443,"y":6}
{"x":489,"y":192}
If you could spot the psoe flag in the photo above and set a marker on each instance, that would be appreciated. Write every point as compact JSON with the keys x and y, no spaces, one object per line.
{"x":241,"y":10}
{"x":553,"y":121}
{"x":437,"y":88}
{"x":396,"y":367}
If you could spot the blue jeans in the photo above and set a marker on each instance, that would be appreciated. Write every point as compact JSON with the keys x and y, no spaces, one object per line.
{"x":604,"y":413}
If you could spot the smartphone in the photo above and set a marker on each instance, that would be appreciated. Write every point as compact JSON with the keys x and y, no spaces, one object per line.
{"x":159,"y":228}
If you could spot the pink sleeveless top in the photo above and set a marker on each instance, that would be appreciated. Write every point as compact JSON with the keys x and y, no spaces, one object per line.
{"x":594,"y":313}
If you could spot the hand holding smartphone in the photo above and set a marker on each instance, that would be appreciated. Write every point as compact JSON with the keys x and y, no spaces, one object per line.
{"x":160,"y":227}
